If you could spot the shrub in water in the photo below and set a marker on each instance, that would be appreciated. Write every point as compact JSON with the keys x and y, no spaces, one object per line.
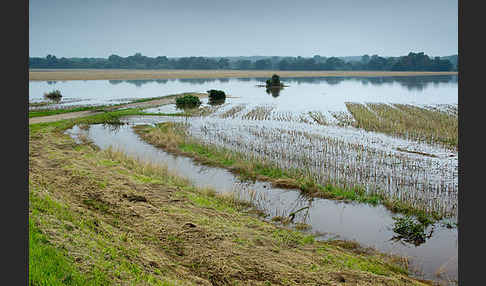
{"x":216,"y":96}
{"x":274,"y":82}
{"x":188,"y":101}
{"x":54,"y":95}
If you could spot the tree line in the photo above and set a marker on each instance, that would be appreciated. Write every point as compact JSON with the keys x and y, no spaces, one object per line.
{"x":410,"y":62}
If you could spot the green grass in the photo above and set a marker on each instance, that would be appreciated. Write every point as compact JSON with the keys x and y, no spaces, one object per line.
{"x":49,"y":265}
{"x":161,"y":97}
{"x":106,"y":117}
{"x":47,"y":112}
{"x":288,"y":238}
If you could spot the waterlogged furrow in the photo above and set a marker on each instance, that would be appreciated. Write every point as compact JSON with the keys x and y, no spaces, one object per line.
{"x":407,"y":121}
{"x":344,"y":157}
{"x":259,"y":113}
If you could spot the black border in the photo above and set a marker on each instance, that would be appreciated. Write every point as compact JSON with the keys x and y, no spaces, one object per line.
{"x":471,"y":188}
{"x":15,"y":200}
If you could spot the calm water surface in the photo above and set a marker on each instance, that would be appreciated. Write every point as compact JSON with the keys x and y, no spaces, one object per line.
{"x":302,"y":94}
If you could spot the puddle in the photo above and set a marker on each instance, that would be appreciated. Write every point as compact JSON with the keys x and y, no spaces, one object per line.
{"x":368,"y":225}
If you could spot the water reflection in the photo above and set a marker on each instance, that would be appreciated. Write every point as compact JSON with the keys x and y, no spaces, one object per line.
{"x":216,"y":102}
{"x":410,"y":82}
{"x":274,"y":91}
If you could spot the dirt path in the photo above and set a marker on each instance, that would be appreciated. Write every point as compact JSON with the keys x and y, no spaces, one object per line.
{"x":71,"y":115}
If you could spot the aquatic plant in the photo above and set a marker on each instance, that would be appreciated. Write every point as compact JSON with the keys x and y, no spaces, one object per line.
{"x":410,"y":230}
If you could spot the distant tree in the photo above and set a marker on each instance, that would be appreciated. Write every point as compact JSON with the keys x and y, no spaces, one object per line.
{"x":223,"y":63}
{"x":243,"y":64}
{"x":334,"y":63}
{"x":365,"y":59}
{"x":283,"y":65}
{"x":263,"y":64}
{"x":376,"y":63}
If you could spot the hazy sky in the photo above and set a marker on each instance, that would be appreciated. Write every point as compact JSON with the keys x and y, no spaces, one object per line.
{"x":99,"y":28}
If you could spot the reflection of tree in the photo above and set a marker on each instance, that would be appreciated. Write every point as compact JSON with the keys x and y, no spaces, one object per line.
{"x":216,"y":102}
{"x":274,"y":90}
{"x":198,"y":80}
{"x":409,"y":82}
{"x":161,"y":81}
{"x":139,"y":82}
{"x":244,"y":79}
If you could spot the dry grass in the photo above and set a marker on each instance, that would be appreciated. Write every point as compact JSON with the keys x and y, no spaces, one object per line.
{"x":93,"y":74}
{"x":407,"y":121}
{"x":231,"y":113}
{"x":139,"y":224}
{"x":259,"y":113}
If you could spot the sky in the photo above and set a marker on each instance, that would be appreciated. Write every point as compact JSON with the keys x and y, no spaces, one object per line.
{"x":179,"y":28}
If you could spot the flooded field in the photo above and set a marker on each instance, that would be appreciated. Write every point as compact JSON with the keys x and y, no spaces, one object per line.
{"x":303,"y":94}
{"x":371,"y":226}
{"x":392,"y":136}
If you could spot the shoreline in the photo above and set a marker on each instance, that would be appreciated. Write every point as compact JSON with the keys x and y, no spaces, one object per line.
{"x":132,"y":74}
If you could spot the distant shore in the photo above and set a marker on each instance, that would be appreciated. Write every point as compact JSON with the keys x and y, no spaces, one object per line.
{"x":131,"y":74}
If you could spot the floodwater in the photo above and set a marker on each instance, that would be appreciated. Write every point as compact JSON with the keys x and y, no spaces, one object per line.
{"x":254,"y":121}
{"x":368,"y":225}
{"x":301,"y":95}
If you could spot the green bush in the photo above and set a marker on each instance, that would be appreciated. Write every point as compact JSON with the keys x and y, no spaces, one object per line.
{"x":54,"y":95}
{"x":274,"y":82}
{"x":216,"y":95}
{"x":188,"y":101}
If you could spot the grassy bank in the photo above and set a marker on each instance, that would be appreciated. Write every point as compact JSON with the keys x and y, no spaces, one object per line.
{"x":171,"y":137}
{"x":102,"y":218}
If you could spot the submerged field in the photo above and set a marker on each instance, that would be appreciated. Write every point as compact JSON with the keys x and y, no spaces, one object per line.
{"x":110,"y":219}
{"x":414,"y":170}
{"x":380,"y":141}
